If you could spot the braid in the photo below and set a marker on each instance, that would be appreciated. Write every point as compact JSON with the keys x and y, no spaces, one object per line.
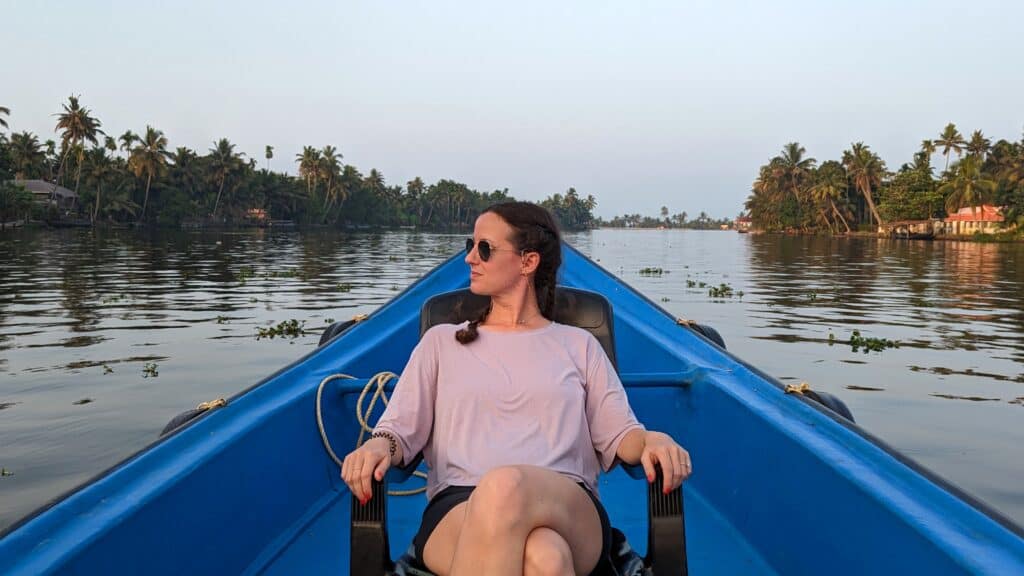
{"x":469,"y":333}
{"x":547,"y":299}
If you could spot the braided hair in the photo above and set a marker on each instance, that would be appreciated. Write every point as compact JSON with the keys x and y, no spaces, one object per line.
{"x":534,"y":230}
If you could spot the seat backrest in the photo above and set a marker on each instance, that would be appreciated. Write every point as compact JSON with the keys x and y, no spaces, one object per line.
{"x":581,"y":308}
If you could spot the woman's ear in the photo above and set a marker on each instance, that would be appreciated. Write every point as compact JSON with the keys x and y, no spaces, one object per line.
{"x":531,"y":260}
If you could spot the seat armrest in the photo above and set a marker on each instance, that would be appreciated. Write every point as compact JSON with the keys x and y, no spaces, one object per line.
{"x":635,"y":471}
{"x":399,"y":474}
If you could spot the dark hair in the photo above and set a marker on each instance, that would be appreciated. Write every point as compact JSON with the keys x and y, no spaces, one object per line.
{"x":534,"y":230}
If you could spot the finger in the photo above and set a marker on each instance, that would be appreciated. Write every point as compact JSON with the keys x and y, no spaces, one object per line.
{"x":353,"y":478}
{"x":677,"y":470}
{"x":648,"y":464}
{"x":365,"y":479}
{"x":382,"y":469}
{"x":346,"y":472}
{"x":687,"y":465}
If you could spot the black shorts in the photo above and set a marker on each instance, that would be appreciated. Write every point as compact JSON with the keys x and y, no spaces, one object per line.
{"x":443,"y":502}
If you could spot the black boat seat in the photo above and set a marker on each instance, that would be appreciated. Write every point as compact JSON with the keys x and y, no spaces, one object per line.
{"x":575,"y":307}
{"x":666,"y":536}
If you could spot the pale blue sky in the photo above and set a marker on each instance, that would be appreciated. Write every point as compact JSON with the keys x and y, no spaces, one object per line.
{"x":641,"y":104}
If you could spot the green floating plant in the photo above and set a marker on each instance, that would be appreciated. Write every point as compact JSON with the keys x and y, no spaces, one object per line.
{"x":859,"y":342}
{"x":287,"y":329}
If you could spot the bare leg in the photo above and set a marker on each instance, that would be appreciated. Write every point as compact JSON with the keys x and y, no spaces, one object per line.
{"x":508,"y":505}
{"x":440,"y":546}
{"x":547,"y":554}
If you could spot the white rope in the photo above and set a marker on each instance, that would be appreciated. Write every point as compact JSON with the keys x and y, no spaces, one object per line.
{"x":378,"y":382}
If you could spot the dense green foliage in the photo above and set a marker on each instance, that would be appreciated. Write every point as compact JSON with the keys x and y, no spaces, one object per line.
{"x":678,"y":220}
{"x":792,"y":192}
{"x":138,"y":178}
{"x":15,"y":202}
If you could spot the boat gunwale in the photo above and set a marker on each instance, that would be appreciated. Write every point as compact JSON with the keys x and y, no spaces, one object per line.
{"x":933,"y":477}
{"x":202,"y":416}
{"x":928,"y":474}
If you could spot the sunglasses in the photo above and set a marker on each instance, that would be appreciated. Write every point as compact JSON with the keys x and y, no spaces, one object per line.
{"x":484,"y":248}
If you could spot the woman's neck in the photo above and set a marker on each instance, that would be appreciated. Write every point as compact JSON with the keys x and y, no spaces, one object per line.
{"x":515,"y":311}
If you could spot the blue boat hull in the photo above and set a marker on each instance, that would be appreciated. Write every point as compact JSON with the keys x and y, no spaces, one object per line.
{"x":780,"y":485}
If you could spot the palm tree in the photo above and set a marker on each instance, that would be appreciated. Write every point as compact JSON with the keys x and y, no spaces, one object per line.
{"x":867,"y":170}
{"x":27,"y":155}
{"x":269,"y":154}
{"x":928,"y":147}
{"x":309,"y":165}
{"x":77,"y":126}
{"x":979,"y":145}
{"x":185,"y":170}
{"x":793,"y":169}
{"x":149,"y":157}
{"x":127,"y":141}
{"x":968,"y":186}
{"x":110,"y":144}
{"x":329,"y":170}
{"x":830,"y":185}
{"x":414,"y":190}
{"x":950,"y":141}
{"x":4,"y":111}
{"x":98,"y":170}
{"x":224,"y":162}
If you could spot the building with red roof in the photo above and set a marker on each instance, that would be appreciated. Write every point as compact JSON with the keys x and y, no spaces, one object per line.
{"x":969,"y":220}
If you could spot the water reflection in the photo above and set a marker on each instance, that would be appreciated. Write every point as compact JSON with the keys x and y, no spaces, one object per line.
{"x":83,"y":312}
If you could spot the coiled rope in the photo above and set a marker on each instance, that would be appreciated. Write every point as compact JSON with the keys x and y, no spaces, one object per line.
{"x":377,"y":382}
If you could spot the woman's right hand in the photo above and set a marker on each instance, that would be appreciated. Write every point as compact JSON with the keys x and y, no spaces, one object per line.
{"x":372,"y":458}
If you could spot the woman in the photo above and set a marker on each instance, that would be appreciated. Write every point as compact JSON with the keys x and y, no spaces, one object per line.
{"x":515,"y":415}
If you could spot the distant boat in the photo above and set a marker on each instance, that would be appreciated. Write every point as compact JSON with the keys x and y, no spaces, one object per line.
{"x":782,"y":485}
{"x":914,"y":235}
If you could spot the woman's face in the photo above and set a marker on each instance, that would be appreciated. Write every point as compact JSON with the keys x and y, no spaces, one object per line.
{"x":504,"y":269}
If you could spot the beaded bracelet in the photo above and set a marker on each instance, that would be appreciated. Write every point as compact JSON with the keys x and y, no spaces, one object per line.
{"x":392,"y":444}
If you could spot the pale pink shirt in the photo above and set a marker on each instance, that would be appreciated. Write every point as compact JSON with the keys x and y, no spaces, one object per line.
{"x":547,"y":397}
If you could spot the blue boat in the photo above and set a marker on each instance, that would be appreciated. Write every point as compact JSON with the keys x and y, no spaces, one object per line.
{"x":782,"y":484}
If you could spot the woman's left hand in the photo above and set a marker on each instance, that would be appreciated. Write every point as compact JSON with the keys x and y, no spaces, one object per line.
{"x":660,"y":448}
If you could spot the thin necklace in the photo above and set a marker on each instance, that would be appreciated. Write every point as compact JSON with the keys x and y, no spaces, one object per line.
{"x":523,"y":322}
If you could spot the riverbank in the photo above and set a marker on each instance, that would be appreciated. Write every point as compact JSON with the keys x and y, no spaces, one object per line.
{"x":1005,"y":237}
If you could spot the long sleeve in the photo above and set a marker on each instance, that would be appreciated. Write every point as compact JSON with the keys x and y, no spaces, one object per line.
{"x":609,"y":415}
{"x":409,"y":416}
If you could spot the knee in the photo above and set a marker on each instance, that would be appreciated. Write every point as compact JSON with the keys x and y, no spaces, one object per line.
{"x":547,"y":554}
{"x":499,"y":500}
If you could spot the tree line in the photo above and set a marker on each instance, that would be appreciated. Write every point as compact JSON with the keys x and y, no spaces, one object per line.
{"x":137,"y":178}
{"x":858,"y":192}
{"x":667,"y":220}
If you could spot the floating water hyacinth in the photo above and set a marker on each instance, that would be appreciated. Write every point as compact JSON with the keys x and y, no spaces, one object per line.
{"x":149,"y":370}
{"x":287,"y":329}
{"x":652,"y":271}
{"x":723,"y":290}
{"x":867,"y":343}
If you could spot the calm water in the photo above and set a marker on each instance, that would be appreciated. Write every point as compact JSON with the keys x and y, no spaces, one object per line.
{"x":83,"y":313}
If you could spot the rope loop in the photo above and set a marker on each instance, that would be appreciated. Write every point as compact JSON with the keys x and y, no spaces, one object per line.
{"x":218,"y":403}
{"x":798,"y":389}
{"x":377,"y":384}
